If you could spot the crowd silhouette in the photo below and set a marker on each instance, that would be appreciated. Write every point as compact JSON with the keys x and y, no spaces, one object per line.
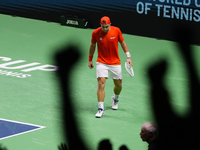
{"x":175,"y":133}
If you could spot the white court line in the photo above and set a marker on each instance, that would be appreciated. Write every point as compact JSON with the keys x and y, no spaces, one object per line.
{"x":40,"y":127}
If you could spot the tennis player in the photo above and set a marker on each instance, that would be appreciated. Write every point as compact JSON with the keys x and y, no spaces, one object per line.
{"x":108,"y":61}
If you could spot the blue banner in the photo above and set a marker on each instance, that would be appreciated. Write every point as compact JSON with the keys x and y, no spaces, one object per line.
{"x":138,"y":17}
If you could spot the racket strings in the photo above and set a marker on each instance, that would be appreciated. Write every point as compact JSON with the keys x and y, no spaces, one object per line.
{"x":129,"y":69}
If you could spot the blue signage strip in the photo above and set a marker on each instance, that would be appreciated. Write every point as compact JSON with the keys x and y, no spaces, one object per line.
{"x":150,"y":18}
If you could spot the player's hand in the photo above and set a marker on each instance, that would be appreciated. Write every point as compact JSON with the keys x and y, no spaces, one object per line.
{"x":90,"y":64}
{"x":130,"y":61}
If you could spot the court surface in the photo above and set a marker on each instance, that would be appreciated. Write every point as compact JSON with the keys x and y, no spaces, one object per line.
{"x":30,"y":92}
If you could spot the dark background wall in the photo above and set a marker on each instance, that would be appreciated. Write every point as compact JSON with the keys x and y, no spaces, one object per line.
{"x":150,"y":18}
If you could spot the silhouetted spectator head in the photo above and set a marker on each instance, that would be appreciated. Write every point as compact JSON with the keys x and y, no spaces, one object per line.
{"x":105,"y":145}
{"x":123,"y":147}
{"x":148,"y":132}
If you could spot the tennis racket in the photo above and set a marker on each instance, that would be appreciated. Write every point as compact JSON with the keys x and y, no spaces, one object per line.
{"x":129,"y":69}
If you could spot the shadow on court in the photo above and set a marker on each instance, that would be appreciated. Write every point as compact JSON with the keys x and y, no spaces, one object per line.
{"x":175,"y":133}
{"x":2,"y":147}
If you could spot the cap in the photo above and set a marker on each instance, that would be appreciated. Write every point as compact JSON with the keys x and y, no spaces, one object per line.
{"x":105,"y":20}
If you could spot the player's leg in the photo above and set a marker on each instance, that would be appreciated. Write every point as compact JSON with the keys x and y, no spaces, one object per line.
{"x":100,"y":96}
{"x":117,"y":91}
{"x":117,"y":87}
{"x":102,"y":75}
{"x":116,"y":74}
{"x":100,"y":90}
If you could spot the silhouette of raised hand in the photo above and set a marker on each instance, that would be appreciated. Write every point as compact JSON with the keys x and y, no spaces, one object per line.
{"x":2,"y":147}
{"x":175,"y":132}
{"x":62,"y":146}
{"x":66,"y":58}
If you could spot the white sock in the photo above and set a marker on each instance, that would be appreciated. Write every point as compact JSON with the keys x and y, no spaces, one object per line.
{"x":116,"y":97}
{"x":101,"y":105}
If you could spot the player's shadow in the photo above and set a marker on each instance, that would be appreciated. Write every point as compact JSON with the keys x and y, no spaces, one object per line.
{"x":175,"y":132}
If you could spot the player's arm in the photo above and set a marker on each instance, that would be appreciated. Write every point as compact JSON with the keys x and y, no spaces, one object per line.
{"x":91,"y":53}
{"x":126,"y":51}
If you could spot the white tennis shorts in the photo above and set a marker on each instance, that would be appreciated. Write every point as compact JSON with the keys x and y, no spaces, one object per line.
{"x":103,"y":70}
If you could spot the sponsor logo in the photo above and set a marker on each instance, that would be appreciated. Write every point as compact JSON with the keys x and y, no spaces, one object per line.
{"x":73,"y":22}
{"x":100,"y":39}
{"x":24,"y":68}
{"x":112,"y":38}
{"x":86,"y":23}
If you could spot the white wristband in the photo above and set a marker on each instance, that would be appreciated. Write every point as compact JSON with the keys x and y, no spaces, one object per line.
{"x":128,"y":54}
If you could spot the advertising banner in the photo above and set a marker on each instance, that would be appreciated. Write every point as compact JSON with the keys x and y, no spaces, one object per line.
{"x":149,"y":18}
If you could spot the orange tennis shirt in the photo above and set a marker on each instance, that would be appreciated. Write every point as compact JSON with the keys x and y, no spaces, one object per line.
{"x":108,"y":45}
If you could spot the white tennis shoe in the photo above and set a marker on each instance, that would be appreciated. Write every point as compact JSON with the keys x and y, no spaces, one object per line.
{"x":100,"y":113}
{"x":114,"y":103}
